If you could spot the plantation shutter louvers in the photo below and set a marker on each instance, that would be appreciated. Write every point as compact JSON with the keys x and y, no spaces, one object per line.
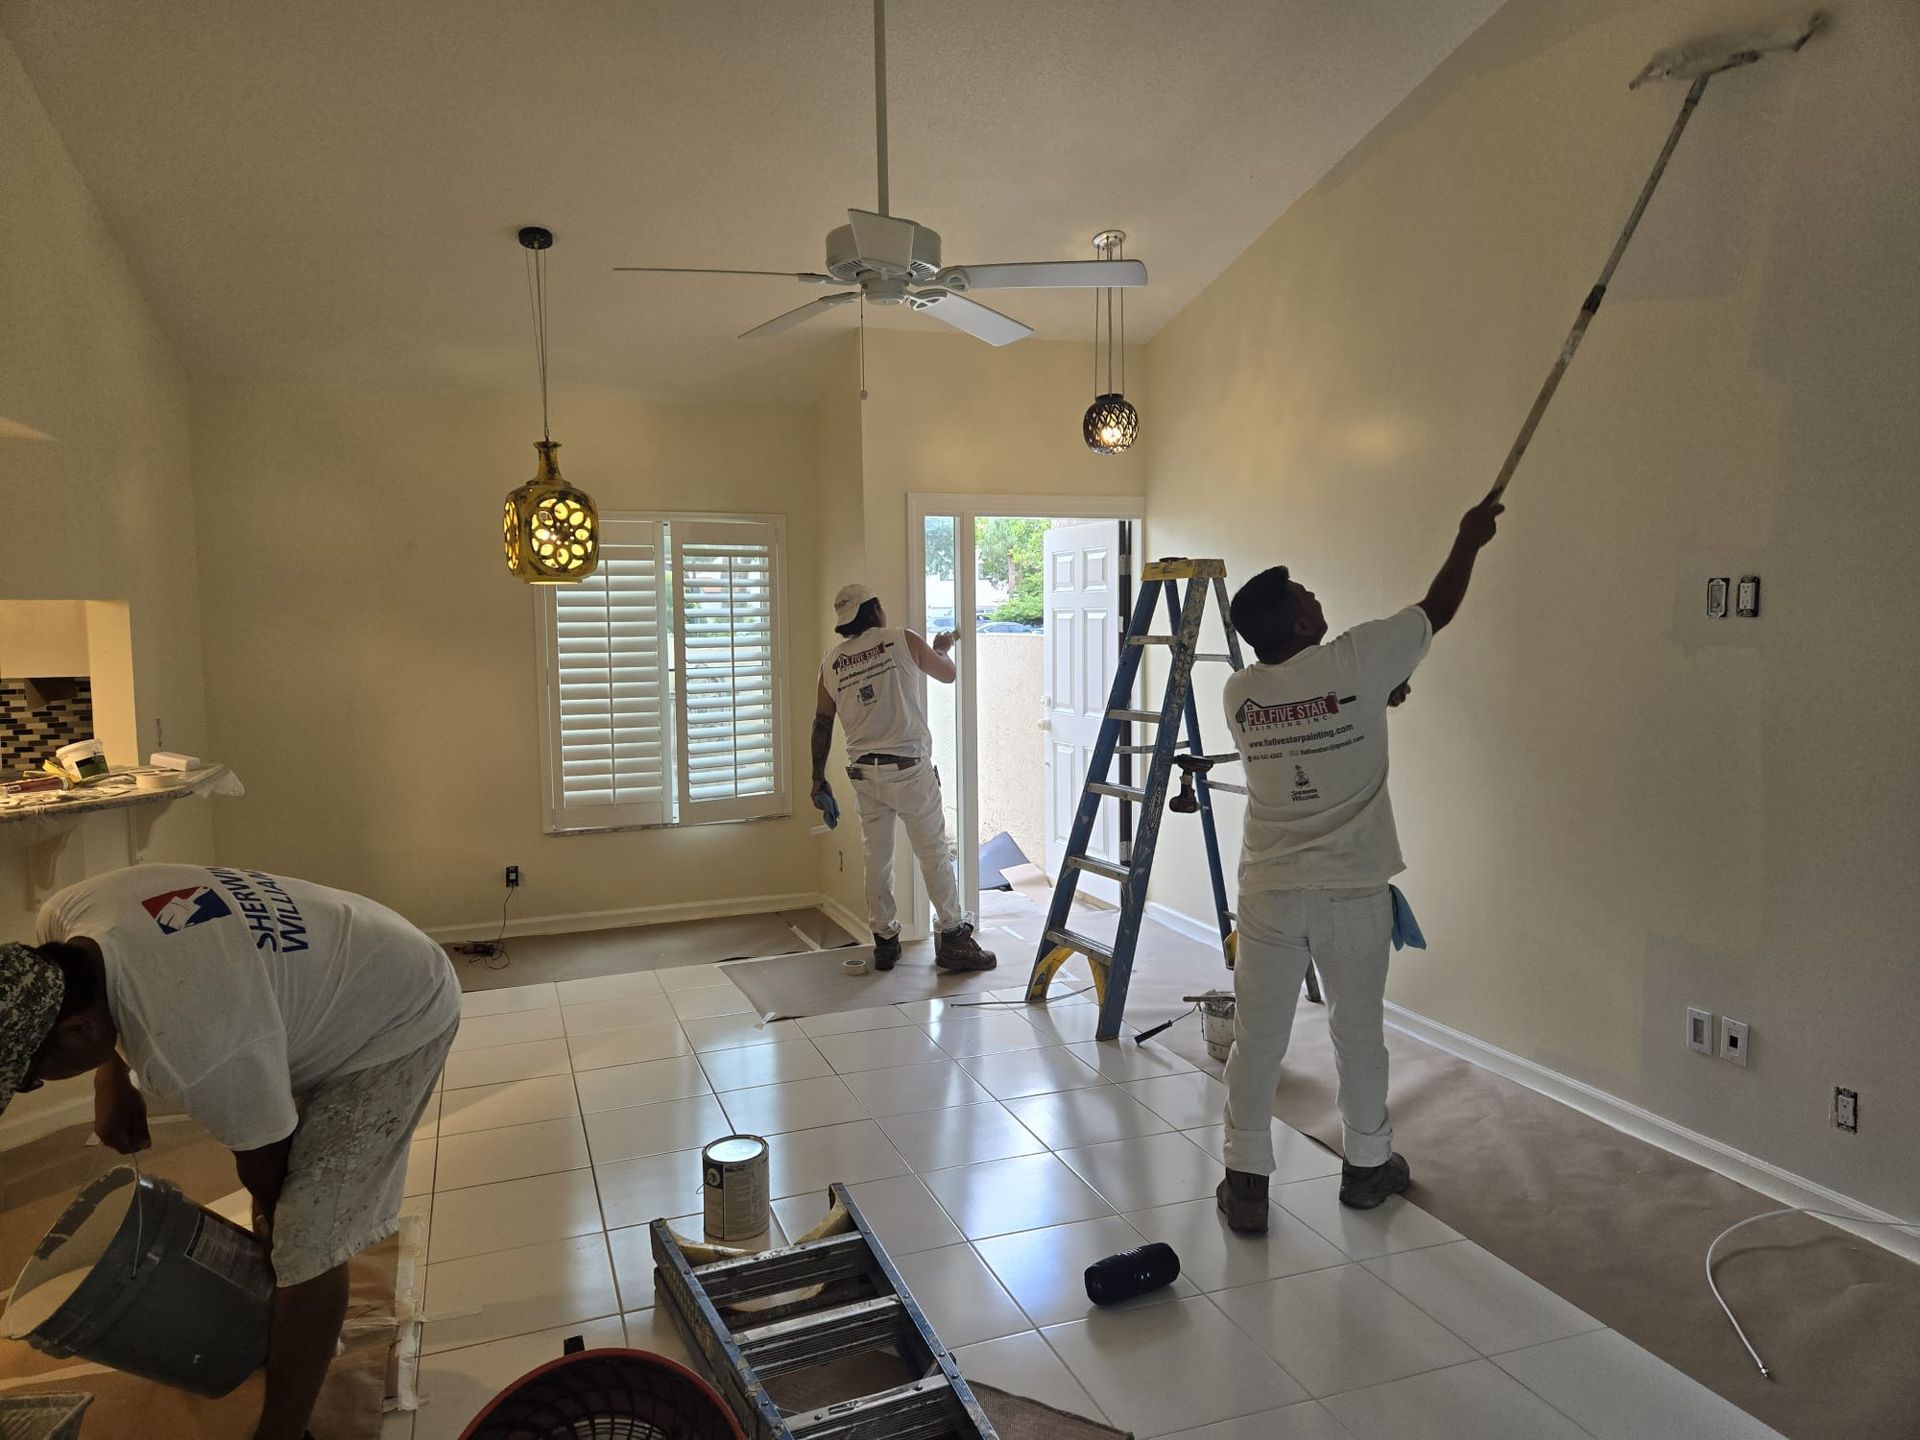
{"x":726,"y":620}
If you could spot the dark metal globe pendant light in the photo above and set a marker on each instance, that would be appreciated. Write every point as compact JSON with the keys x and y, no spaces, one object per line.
{"x":552,"y":531}
{"x":1111,"y":423}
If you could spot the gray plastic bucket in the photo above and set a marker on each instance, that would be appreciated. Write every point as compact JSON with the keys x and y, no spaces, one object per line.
{"x":177,"y":1294}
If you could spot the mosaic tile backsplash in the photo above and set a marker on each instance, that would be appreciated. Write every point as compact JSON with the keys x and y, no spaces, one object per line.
{"x":30,"y":734}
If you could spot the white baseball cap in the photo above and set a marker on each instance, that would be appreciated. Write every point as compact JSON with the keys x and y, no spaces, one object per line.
{"x":847,"y":603}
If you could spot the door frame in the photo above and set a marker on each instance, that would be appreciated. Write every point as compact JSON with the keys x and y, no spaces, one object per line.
{"x":967,"y":510}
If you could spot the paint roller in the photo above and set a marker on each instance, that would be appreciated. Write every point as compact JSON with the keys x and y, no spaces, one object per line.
{"x":1697,"y":61}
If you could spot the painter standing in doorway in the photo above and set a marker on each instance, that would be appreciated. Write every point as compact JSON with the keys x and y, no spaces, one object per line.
{"x":868,"y":681}
{"x":1310,"y":723}
{"x":303,"y":1028}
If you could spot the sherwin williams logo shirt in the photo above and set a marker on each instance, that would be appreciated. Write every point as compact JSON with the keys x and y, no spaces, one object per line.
{"x":178,"y":910}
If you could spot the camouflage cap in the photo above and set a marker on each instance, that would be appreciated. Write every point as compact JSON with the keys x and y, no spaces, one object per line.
{"x":31,"y":990}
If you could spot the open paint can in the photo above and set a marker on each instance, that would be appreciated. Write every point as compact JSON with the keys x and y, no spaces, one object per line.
{"x":1216,"y":1021}
{"x":733,"y":1172}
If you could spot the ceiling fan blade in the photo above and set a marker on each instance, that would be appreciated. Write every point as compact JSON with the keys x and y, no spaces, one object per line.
{"x":883,"y":241}
{"x":800,"y":313}
{"x":807,"y":275}
{"x":970,"y":316}
{"x":1045,"y":275}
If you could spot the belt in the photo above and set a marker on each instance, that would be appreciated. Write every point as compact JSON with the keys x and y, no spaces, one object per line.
{"x":899,"y":762}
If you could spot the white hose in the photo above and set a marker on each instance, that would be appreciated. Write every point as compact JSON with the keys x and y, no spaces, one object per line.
{"x":1770,"y":1215}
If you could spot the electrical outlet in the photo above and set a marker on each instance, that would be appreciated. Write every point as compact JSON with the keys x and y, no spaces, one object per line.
{"x":1733,"y":1040}
{"x":1846,"y":1110}
{"x":513,"y":876}
{"x":1746,"y":600}
{"x":1699,"y":1031}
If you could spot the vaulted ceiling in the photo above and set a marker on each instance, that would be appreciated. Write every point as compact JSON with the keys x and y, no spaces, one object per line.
{"x":330,"y":191}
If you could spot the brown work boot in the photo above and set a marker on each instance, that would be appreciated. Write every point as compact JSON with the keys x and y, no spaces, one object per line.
{"x":1243,"y":1200}
{"x":886,"y":950}
{"x":958,"y":950}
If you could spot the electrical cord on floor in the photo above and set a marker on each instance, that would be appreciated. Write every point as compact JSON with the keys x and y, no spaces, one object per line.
{"x":493,"y":951}
{"x":1771,"y":1215}
{"x":992,"y":1004}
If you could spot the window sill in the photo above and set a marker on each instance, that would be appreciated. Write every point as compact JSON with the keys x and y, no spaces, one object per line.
{"x":571,"y":830}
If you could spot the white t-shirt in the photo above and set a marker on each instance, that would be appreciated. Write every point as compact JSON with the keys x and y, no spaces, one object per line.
{"x":875,"y":688}
{"x":1313,"y":735}
{"x":235,"y":992}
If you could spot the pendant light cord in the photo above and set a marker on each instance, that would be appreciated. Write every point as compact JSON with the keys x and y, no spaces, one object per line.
{"x":1119,"y":253}
{"x":537,"y":302}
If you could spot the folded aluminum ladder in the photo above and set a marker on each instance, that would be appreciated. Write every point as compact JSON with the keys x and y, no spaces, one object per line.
{"x":1113,"y":963}
{"x":852,"y":1302}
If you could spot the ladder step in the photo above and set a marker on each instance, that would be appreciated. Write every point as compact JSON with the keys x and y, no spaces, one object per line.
{"x":1220,"y":659}
{"x":1093,"y":865}
{"x":1119,"y":792}
{"x":751,"y":1277}
{"x":1225,"y":787}
{"x":1151,"y":639}
{"x":1152,"y":715}
{"x":1150,"y":749}
{"x":1074,"y":941}
{"x":803,"y":1341}
{"x":923,"y":1410}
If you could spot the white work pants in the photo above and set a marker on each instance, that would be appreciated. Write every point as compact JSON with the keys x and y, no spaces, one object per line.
{"x":913,"y":794}
{"x":1348,"y":934}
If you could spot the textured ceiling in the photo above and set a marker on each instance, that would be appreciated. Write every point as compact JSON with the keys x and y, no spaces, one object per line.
{"x":330,"y":191}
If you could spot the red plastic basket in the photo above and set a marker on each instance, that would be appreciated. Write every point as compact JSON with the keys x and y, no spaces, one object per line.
{"x":607,"y":1395}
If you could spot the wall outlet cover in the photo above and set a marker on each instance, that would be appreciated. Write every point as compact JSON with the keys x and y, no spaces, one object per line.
{"x":1846,"y":1110}
{"x":1747,"y":598}
{"x":1699,"y":1030}
{"x":1717,"y":597}
{"x":1733,"y":1040}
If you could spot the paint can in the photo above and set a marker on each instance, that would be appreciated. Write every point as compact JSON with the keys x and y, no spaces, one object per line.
{"x":733,"y":1171}
{"x":1216,"y":1019}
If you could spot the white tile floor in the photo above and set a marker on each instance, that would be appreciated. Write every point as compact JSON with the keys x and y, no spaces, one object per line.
{"x":996,"y":1152}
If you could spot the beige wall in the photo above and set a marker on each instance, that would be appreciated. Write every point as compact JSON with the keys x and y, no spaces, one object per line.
{"x":100,"y":510}
{"x":1614,"y":808}
{"x":371,"y":664}
{"x":843,"y":557}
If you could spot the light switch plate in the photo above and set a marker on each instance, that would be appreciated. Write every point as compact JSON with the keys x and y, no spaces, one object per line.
{"x":1733,"y":1040}
{"x":1700,"y":1030}
{"x":1717,"y":597}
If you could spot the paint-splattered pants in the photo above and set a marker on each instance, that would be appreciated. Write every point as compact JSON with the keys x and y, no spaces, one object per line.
{"x":1348,"y":934}
{"x":882,"y":792}
{"x":347,"y":1171}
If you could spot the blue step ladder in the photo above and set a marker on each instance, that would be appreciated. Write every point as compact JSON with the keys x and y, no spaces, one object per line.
{"x":1112,"y":964}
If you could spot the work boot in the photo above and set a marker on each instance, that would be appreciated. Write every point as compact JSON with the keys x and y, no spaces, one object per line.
{"x":958,"y":950}
{"x":886,"y":950}
{"x":1364,"y":1186}
{"x":1243,"y":1200}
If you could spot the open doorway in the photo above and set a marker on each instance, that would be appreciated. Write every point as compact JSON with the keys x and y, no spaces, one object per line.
{"x":1035,"y":587}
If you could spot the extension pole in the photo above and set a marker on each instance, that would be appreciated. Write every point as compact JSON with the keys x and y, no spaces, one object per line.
{"x":1599,"y":292}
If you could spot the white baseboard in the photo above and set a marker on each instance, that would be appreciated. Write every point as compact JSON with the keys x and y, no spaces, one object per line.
{"x":638,"y":915}
{"x":1749,"y":1170}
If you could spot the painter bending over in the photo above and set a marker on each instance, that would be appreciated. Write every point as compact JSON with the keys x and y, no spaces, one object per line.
{"x":1310,"y":723}
{"x":303,"y":1028}
{"x":868,"y":681}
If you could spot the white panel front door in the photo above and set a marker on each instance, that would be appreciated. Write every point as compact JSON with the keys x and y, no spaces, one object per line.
{"x":1082,"y":653}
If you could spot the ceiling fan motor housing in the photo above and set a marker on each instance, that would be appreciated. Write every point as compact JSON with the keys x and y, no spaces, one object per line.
{"x":845,"y":263}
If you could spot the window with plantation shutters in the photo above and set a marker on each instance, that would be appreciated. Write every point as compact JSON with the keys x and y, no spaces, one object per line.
{"x":726,"y":587}
{"x":663,"y":677}
{"x":608,"y":687}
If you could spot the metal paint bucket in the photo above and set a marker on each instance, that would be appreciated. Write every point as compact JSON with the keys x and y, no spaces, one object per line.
{"x":1216,"y":1018}
{"x":733,"y":1171}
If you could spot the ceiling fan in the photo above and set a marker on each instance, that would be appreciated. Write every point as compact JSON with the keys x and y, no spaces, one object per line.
{"x":891,"y":260}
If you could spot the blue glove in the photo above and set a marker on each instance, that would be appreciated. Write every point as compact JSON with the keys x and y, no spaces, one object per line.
{"x":1406,"y":929}
{"x":824,"y":802}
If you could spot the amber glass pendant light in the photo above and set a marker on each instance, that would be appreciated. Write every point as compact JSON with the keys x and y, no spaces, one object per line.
{"x":552,"y":531}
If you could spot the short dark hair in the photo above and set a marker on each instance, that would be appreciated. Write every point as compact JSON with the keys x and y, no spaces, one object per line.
{"x":866,"y":618}
{"x":76,"y":970}
{"x":1265,"y":610}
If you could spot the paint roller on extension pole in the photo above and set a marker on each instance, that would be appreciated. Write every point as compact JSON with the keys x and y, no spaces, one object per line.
{"x":1698,"y":61}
